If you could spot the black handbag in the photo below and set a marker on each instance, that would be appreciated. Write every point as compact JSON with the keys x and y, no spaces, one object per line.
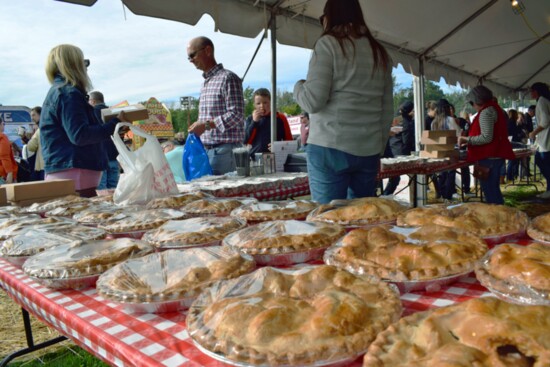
{"x":481,"y":172}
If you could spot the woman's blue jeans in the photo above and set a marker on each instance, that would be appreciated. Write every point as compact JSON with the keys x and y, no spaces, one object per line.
{"x":334,"y":174}
{"x":491,"y":186}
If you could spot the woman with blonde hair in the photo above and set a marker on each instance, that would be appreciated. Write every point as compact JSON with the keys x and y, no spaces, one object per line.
{"x":348,"y":93}
{"x":71,"y":136}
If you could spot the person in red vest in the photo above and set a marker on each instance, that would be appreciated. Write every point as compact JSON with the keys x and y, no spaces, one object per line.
{"x":258,"y":125}
{"x":487,"y":141}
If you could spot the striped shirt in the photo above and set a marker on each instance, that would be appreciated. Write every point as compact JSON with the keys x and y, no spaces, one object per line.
{"x":222,"y":101}
{"x":487,"y":120}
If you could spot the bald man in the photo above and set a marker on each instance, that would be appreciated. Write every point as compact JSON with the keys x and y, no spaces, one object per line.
{"x":221,"y":107}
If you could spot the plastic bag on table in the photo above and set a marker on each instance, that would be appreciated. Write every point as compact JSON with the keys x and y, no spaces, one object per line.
{"x":147,"y":174}
{"x":195,"y":159}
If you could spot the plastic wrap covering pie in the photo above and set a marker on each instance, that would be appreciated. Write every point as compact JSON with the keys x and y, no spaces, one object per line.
{"x":517,"y":273}
{"x":176,"y":201}
{"x":68,"y":211}
{"x":9,"y":210}
{"x":305,"y":316}
{"x":64,"y":201}
{"x":275,"y":210}
{"x":10,"y":220}
{"x":135,"y":221}
{"x":539,"y":228}
{"x":284,"y":236}
{"x":480,"y":218}
{"x":358,"y":212}
{"x":192,"y":232}
{"x":172,"y":275}
{"x":83,"y":258}
{"x":215,"y":206}
{"x":99,"y":213}
{"x":404,"y":254}
{"x":46,"y":224}
{"x":482,"y":332}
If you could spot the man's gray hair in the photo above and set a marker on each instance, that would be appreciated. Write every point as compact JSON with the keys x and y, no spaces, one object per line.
{"x":480,"y":95}
{"x":97,"y":96}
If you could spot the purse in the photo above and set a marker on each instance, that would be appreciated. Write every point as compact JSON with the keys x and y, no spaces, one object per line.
{"x":481,"y":172}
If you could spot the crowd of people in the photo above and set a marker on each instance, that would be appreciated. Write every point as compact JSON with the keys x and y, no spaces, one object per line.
{"x":349,"y":124}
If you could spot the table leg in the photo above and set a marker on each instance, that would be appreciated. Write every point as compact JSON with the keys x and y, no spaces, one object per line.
{"x":31,"y":347}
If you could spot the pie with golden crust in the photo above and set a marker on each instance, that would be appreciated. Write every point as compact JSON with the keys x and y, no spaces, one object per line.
{"x":358,"y":212}
{"x":296,"y":317}
{"x":283,"y":236}
{"x":193,"y":231}
{"x":516,"y":272}
{"x":64,"y":201}
{"x":481,"y":332}
{"x":275,"y":210}
{"x":479,"y":218}
{"x":135,"y":221}
{"x":176,"y":201}
{"x":539,"y":228}
{"x":172,"y":274}
{"x":407,"y":254}
{"x":215,"y":206}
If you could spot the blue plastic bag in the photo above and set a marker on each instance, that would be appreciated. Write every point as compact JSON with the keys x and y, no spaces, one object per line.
{"x":195,"y":159}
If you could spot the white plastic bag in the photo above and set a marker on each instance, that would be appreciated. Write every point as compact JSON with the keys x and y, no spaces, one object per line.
{"x":147,"y":174}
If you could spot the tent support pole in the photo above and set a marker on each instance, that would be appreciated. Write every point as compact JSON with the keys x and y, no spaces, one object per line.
{"x":420,"y":184}
{"x":273,"y":77}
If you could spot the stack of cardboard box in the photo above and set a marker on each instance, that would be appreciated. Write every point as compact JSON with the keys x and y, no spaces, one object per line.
{"x":439,"y":144}
{"x":27,"y":193}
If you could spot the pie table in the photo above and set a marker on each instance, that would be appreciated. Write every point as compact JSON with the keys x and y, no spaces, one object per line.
{"x":123,"y":338}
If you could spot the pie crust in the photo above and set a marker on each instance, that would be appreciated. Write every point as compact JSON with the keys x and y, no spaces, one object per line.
{"x":481,"y":332}
{"x":407,"y":254}
{"x":215,"y":206}
{"x":539,"y":228}
{"x":358,"y":212}
{"x":64,"y":201}
{"x":192,"y":232}
{"x":521,"y":273}
{"x":83,"y":258}
{"x":176,"y":201}
{"x":479,"y":218}
{"x":47,"y":224}
{"x":275,"y":210}
{"x":135,"y":221}
{"x":283,"y":236}
{"x":298,"y":317}
{"x":30,"y":243}
{"x":172,"y":274}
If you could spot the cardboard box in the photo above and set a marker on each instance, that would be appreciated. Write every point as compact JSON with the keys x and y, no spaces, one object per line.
{"x":3,"y":197}
{"x":438,"y":147}
{"x":24,"y":191}
{"x":441,"y":140}
{"x":436,"y":134}
{"x":133,"y":112}
{"x":440,"y":154}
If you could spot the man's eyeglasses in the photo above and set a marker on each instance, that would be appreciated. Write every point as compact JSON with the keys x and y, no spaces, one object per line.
{"x":193,"y":54}
{"x":86,"y":62}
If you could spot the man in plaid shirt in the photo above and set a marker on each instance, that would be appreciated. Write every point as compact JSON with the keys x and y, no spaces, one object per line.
{"x":221,"y":107}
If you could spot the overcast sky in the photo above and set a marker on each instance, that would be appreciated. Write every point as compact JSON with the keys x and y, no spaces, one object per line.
{"x":132,"y":57}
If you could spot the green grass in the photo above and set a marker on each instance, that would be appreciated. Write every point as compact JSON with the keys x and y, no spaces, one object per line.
{"x":68,"y":356}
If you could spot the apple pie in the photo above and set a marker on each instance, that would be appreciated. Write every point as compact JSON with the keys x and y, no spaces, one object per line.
{"x":136,"y":221}
{"x":481,"y":332}
{"x":215,"y":206}
{"x":275,"y":210}
{"x":407,"y":254}
{"x":517,"y":273}
{"x":358,"y":212}
{"x":176,"y":201}
{"x":64,"y":201}
{"x":293,"y":317}
{"x":539,"y":228}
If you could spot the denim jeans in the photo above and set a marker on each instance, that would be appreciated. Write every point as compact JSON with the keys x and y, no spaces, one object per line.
{"x":334,"y":174}
{"x":221,"y":158}
{"x":109,"y":178}
{"x":542,"y":160}
{"x":491,"y":186}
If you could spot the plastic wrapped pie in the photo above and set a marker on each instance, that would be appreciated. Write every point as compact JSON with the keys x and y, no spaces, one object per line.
{"x":46,"y":224}
{"x":69,"y":210}
{"x":481,"y":332}
{"x":215,"y":206}
{"x":275,"y":210}
{"x":139,"y":221}
{"x":495,"y":223}
{"x":284,"y":242}
{"x":170,"y":281}
{"x":308,"y":316}
{"x":408,"y":256}
{"x":539,"y":229}
{"x":77,"y":265}
{"x":200,"y":231}
{"x":64,"y":201}
{"x":515,"y":273}
{"x":99,"y":213}
{"x":358,"y":212}
{"x":176,"y":201}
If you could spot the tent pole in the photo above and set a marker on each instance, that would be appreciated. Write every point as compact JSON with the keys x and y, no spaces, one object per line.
{"x":418,"y":89}
{"x":273,"y":78}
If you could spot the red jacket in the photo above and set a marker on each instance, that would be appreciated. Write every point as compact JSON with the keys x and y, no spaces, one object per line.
{"x":500,"y":146}
{"x":7,"y":161}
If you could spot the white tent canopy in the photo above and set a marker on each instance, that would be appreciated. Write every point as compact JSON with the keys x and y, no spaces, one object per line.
{"x":466,"y":42}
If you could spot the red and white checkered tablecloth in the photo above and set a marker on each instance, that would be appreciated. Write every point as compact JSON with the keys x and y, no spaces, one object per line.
{"x":123,"y":338}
